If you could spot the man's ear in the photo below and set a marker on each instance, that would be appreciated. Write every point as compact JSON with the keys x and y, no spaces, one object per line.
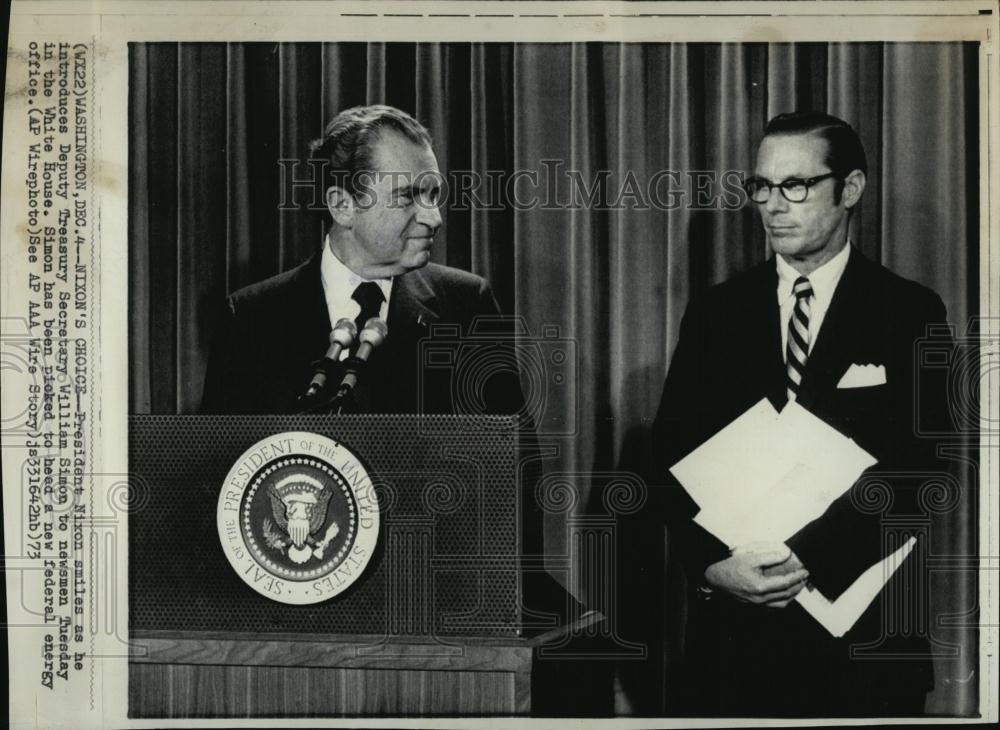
{"x":340,"y":204}
{"x":854,"y":186}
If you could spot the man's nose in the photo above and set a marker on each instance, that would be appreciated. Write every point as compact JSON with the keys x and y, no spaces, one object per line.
{"x":430,"y":216}
{"x":775,"y":201}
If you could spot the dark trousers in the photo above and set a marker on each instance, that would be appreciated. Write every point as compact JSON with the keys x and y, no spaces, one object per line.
{"x":747,"y":661}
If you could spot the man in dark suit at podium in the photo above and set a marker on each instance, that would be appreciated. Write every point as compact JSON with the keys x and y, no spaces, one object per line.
{"x":804,"y":326}
{"x":382,"y":196}
{"x":381,"y":193}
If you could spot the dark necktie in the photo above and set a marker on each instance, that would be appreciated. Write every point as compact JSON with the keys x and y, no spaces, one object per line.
{"x":369,"y":296}
{"x":798,"y":336}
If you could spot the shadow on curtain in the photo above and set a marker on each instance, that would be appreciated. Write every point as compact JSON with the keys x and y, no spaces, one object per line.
{"x":210,"y":122}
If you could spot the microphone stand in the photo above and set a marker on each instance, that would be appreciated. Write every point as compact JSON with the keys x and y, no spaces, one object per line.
{"x":343,"y":401}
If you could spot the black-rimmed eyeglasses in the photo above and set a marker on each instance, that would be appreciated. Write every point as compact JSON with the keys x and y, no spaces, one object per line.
{"x":795,"y":189}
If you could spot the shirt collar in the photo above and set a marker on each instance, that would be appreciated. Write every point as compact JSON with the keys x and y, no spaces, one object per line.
{"x":337,"y":277}
{"x":823,"y":280}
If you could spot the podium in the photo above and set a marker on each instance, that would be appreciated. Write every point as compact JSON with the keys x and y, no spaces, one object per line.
{"x":440,"y":620}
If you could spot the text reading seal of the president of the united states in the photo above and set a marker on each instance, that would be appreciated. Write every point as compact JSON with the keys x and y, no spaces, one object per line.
{"x":298,"y":517}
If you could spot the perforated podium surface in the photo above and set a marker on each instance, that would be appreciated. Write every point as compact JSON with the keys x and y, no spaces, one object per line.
{"x":435,"y":624}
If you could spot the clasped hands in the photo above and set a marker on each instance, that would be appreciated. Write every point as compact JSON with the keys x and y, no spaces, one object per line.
{"x":764,"y":573}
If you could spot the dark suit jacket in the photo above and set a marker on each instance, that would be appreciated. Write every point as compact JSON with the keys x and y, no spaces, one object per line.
{"x":727,"y":358}
{"x":271,"y":332}
{"x":434,"y":359}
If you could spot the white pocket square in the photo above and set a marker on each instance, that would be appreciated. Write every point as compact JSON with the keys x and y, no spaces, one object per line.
{"x":863,"y":376}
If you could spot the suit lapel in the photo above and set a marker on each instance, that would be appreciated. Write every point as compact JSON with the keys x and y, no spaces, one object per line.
{"x":412,"y":299}
{"x":836,"y":344}
{"x":311,"y":311}
{"x":395,"y":365}
{"x":768,"y":320}
{"x":411,"y":311}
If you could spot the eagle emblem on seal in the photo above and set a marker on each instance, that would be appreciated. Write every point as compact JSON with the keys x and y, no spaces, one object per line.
{"x":299,"y":505}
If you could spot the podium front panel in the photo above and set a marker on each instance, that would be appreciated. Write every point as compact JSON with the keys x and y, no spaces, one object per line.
{"x":446,"y":561}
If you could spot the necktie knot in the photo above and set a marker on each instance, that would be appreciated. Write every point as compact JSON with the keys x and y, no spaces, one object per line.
{"x":802,"y":288}
{"x":369,"y":296}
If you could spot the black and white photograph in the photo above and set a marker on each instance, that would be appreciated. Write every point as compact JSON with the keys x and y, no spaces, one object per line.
{"x":508,"y":376}
{"x":664,"y":229}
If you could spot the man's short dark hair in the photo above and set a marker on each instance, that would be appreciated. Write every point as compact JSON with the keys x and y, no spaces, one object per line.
{"x":346,"y":148}
{"x":844,"y":151}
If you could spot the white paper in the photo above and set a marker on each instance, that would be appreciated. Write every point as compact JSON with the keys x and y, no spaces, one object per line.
{"x":767,"y":475}
{"x":730,"y":457}
{"x":839,"y":616}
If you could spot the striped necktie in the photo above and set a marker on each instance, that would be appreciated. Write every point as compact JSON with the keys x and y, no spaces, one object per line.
{"x":798,"y":336}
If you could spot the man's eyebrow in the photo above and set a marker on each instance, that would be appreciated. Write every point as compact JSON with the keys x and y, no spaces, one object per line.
{"x":795,"y":176}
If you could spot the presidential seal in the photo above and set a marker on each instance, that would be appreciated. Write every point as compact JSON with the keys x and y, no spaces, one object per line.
{"x":298,"y":517}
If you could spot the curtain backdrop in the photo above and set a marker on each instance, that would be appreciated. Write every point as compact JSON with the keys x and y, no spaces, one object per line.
{"x":209,"y":122}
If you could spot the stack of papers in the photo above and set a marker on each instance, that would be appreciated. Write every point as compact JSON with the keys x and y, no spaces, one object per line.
{"x":767,"y":475}
{"x":839,"y":616}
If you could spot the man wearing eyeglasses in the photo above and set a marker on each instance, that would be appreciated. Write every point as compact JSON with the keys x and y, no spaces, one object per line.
{"x":792,"y":328}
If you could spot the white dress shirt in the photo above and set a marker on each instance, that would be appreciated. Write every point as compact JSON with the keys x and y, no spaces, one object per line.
{"x":339,"y":283}
{"x":824,"y":282}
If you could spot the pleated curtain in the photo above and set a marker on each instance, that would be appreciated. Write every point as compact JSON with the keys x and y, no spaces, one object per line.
{"x":210,"y":122}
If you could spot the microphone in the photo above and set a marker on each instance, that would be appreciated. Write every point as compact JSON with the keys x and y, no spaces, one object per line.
{"x":342,"y":336}
{"x":373,"y":335}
